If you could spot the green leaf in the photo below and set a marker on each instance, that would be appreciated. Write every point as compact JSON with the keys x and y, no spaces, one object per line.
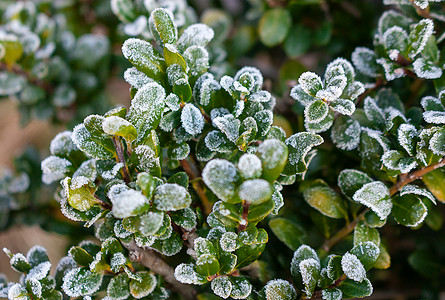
{"x":81,"y":256}
{"x":79,"y":193}
{"x":279,"y":289}
{"x":350,"y":181}
{"x":192,"y":119}
{"x":182,"y":89}
{"x":114,"y":125}
{"x":172,"y":56}
{"x":375,"y":195}
{"x":334,"y":267}
{"x":298,"y":41}
{"x":207,"y":265}
{"x":81,"y":282}
{"x":363,"y":233}
{"x":419,"y":35}
{"x":195,"y":35}
{"x":119,"y":288}
{"x":185,"y":218}
{"x":124,"y":10}
{"x":171,"y":197}
{"x":354,"y":289}
{"x":303,"y":252}
{"x":12,"y":47}
{"x":147,"y":183}
{"x":409,"y":210}
{"x":367,"y":252}
{"x":150,"y":222}
{"x":259,"y":212}
{"x":273,"y":154}
{"x":287,"y":232}
{"x":316,"y":111}
{"x":310,"y":271}
{"x":299,"y":146}
{"x":10,"y":83}
{"x":220,"y":176}
{"x":127,"y":202}
{"x":274,"y":26}
{"x":162,"y":26}
{"x":255,"y":191}
{"x":142,"y":55}
{"x":227,"y":262}
{"x":37,"y":255}
{"x":326,"y":201}
{"x":247,"y":254}
{"x":221,"y":286}
{"x":343,"y":106}
{"x":346,"y":133}
{"x":384,"y":260}
{"x":332,"y":294}
{"x":364,"y":60}
{"x":93,"y":147}
{"x":19,"y":262}
{"x":145,"y":287}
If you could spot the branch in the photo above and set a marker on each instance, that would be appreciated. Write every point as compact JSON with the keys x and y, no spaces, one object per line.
{"x":243,"y":226}
{"x":150,"y":260}
{"x":121,"y":158}
{"x":404,"y":180}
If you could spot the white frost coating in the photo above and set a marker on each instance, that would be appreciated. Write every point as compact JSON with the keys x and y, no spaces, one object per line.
{"x":302,"y":253}
{"x":117,"y":260}
{"x":36,"y":248}
{"x":219,"y":175}
{"x":17,"y":292}
{"x":111,"y":174}
{"x":35,"y":285}
{"x":136,"y":78}
{"x":375,"y":195}
{"x":62,"y":144}
{"x":185,"y":273}
{"x":249,"y":166}
{"x":277,"y":288}
{"x":436,"y":143}
{"x":125,"y":201}
{"x":147,"y":157}
{"x":192,"y":119}
{"x":241,"y":289}
{"x":87,"y":169}
{"x":347,"y":136}
{"x":392,"y":71}
{"x":150,"y":98}
{"x":343,"y":106}
{"x":254,"y":72}
{"x":16,"y":258}
{"x":113,"y":124}
{"x":377,"y":135}
{"x":255,"y":191}
{"x":171,"y":197}
{"x":432,"y":103}
{"x":353,"y":267}
{"x":40,"y":271}
{"x":363,"y":57}
{"x":310,"y":83}
{"x":197,"y":35}
{"x":373,"y":112}
{"x":394,"y":36}
{"x":331,"y":294}
{"x":418,"y":42}
{"x":393,"y":160}
{"x":298,"y":94}
{"x":307,"y":267}
{"x":313,"y":113}
{"x":82,"y":138}
{"x":302,"y":143}
{"x":426,"y":70}
{"x":229,"y":125}
{"x":412,"y":189}
{"x":228,"y":241}
{"x":173,"y":101}
{"x":144,"y":241}
{"x":260,"y":96}
{"x":54,"y":168}
{"x":405,"y":136}
{"x":221,"y":286}
{"x":434,"y":117}
{"x":77,"y":289}
{"x":19,"y":183}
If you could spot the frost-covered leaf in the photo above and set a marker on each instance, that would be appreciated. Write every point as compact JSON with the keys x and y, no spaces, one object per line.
{"x":186,"y":273}
{"x":364,"y":61}
{"x":54,"y":168}
{"x":375,"y":195}
{"x":303,"y":252}
{"x":331,"y":294}
{"x":326,"y":201}
{"x":62,"y":144}
{"x":367,"y":252}
{"x":316,"y":111}
{"x":346,"y":133}
{"x":352,"y":267}
{"x":118,"y":288}
{"x":143,"y":288}
{"x":374,"y":113}
{"x":299,"y":146}
{"x":364,"y":233}
{"x":419,"y":36}
{"x":425,"y":69}
{"x":255,"y":191}
{"x":406,"y":134}
{"x":221,"y":286}
{"x":437,"y":142}
{"x":396,"y":160}
{"x":310,"y":83}
{"x":79,"y":193}
{"x":241,"y":287}
{"x":127,"y":202}
{"x":228,"y":241}
{"x":300,"y":95}
{"x":343,"y":106}
{"x":185,"y":218}
{"x":249,"y":166}
{"x":220,"y":176}
{"x":18,"y":292}
{"x":207,"y":265}
{"x":147,"y":160}
{"x":195,"y":35}
{"x":81,"y":282}
{"x":171,"y":197}
{"x":279,"y":289}
{"x":273,"y":154}
{"x":229,"y":125}
{"x":409,"y":210}
{"x":83,"y":139}
{"x":354,"y":289}
{"x":392,"y":70}
{"x":310,"y":271}
{"x":150,"y":222}
{"x":192,"y":119}
{"x":413,"y":189}
{"x":162,"y":26}
{"x":142,"y":55}
{"x":118,"y":126}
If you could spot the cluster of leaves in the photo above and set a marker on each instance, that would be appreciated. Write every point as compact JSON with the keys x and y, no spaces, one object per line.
{"x":196,"y":162}
{"x":52,"y":72}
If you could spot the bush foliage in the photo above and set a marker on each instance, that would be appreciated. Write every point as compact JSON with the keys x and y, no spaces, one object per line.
{"x":200,"y":188}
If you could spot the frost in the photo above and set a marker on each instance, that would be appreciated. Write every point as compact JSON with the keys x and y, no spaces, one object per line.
{"x":197,"y":35}
{"x":412,"y":189}
{"x":185,"y":273}
{"x":419,"y":36}
{"x":62,"y":145}
{"x":125,"y":201}
{"x":260,"y":96}
{"x":316,"y":111}
{"x":249,"y":166}
{"x":392,"y":70}
{"x":220,"y":175}
{"x":40,"y":271}
{"x":331,"y":294}
{"x":279,"y":289}
{"x":222,"y":286}
{"x":171,"y":197}
{"x":111,"y":174}
{"x":117,"y":260}
{"x":10,"y":83}
{"x":255,"y":191}
{"x":229,"y":125}
{"x":17,"y":292}
{"x":54,"y":168}
{"x":144,"y":241}
{"x":173,"y":102}
{"x":83,"y":140}
{"x":343,"y":106}
{"x":192,"y":119}
{"x":298,"y":94}
{"x":81,"y":282}
{"x":425,"y":69}
{"x":35,"y":286}
{"x":302,"y":253}
{"x":352,"y":267}
{"x":147,"y":157}
{"x":394,"y":160}
{"x":19,"y":183}
{"x":435,"y":117}
{"x":375,"y":195}
{"x":228,"y":241}
{"x":364,"y":60}
{"x":241,"y":288}
{"x":17,"y":259}
{"x":120,"y":231}
{"x":406,"y":134}
{"x":87,"y":169}
{"x":346,"y":133}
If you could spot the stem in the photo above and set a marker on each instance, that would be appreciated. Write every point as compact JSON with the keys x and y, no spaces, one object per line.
{"x":121,"y":158}
{"x":197,"y":185}
{"x":243,"y":226}
{"x":150,"y":260}
{"x":380,"y":82}
{"x":404,"y":180}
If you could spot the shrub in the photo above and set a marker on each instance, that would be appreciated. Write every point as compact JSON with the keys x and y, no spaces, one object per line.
{"x":195,"y":191}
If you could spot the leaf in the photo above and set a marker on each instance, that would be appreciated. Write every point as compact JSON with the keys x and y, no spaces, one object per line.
{"x":310,"y":83}
{"x":279,"y":289}
{"x":241,"y":287}
{"x":247,"y":254}
{"x":255,"y":191}
{"x":331,"y":294}
{"x":353,"y":289}
{"x":346,"y":133}
{"x":220,"y":176}
{"x":207,"y":265}
{"x":221,"y":286}
{"x":171,"y":197}
{"x":274,"y":26}
{"x":150,"y":223}
{"x":395,"y":38}
{"x":367,"y":252}
{"x":79,"y":193}
{"x":273,"y":154}
{"x":172,"y":56}
{"x":384,"y":260}
{"x":124,"y":10}
{"x":364,"y":61}
{"x":249,"y":166}
{"x":353,"y":267}
{"x":437,"y":142}
{"x":425,"y":262}
{"x":326,"y":201}
{"x":316,"y":111}
{"x":81,"y":282}
{"x":287,"y":232}
{"x":363,"y":233}
{"x":81,"y":256}
{"x":84,"y":140}
{"x":299,"y":146}
{"x":142,"y":55}
{"x":192,"y":119}
{"x":426,"y":69}
{"x":434,"y":182}
{"x":396,"y":160}
{"x":115,"y":125}
{"x":297,"y":41}
{"x":229,"y":125}
{"x":419,"y":36}
{"x":127,"y":202}
{"x":303,"y":252}
{"x":409,"y":210}
{"x":119,"y":288}
{"x":162,"y":26}
{"x":259,"y":212}
{"x":375,"y":195}
{"x":195,"y":35}
{"x":343,"y":106}
{"x":143,"y":288}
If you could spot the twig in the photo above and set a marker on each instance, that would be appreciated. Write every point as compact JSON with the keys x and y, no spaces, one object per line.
{"x":380,"y":82}
{"x":150,"y":260}
{"x":243,"y":226}
{"x":121,"y":158}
